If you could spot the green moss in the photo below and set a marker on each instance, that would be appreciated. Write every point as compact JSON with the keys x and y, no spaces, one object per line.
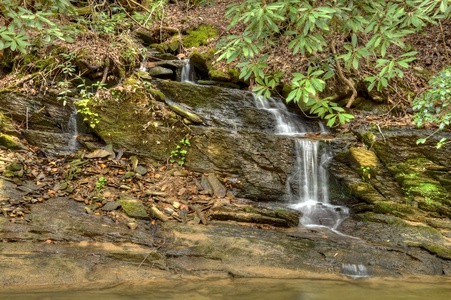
{"x":440,"y":251}
{"x":134,"y":209}
{"x":216,"y":74}
{"x":174,"y":43}
{"x":200,"y":36}
{"x":387,"y":207}
{"x":417,"y":179}
{"x":39,"y":63}
{"x":427,"y":189}
{"x":6,"y":124}
{"x":234,"y":74}
{"x":368,"y":138}
{"x":10,"y":142}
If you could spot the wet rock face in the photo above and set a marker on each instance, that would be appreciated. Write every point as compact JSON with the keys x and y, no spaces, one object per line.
{"x":45,"y":122}
{"x":228,"y":136}
{"x":394,"y":175}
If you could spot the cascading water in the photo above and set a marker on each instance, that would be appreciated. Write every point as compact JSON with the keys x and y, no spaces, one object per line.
{"x":307,"y":187}
{"x":354,"y":270}
{"x":187,"y":74}
{"x":72,"y":130}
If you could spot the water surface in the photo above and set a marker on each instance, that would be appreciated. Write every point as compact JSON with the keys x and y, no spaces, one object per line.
{"x":244,"y":289}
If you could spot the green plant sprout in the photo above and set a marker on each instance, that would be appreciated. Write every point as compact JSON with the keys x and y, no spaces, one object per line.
{"x":179,"y":153}
{"x":100,"y":183}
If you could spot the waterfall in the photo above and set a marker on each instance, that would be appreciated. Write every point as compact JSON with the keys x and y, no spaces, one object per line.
{"x":354,"y":270}
{"x":187,"y":74}
{"x":307,"y":187}
{"x":72,"y":130}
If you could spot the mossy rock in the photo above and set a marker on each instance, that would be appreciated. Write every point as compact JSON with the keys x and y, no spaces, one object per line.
{"x":6,"y":124}
{"x":171,"y":45}
{"x":200,"y":36}
{"x":134,"y":209}
{"x":443,"y":223}
{"x":439,"y":250}
{"x":417,"y":177}
{"x":202,"y":62}
{"x":405,"y":230}
{"x":388,"y":207}
{"x":10,"y":142}
{"x":365,"y":191}
{"x":366,"y":161}
{"x":219,"y":75}
{"x":380,"y":218}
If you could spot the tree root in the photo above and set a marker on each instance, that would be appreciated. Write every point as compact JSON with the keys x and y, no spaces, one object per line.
{"x":343,"y":78}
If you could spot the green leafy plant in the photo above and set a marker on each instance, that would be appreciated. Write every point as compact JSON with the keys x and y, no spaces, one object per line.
{"x":32,"y":24}
{"x":63,"y":95}
{"x":179,"y":153}
{"x":100,"y":183}
{"x":365,"y":172}
{"x":88,"y":94}
{"x":433,"y":106}
{"x":332,"y":37}
{"x":155,"y":12}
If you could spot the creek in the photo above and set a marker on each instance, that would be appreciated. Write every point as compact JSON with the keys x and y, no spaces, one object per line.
{"x":262,"y":151}
{"x":242,"y":289}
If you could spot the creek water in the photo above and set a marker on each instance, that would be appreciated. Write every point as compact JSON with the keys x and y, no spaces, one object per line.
{"x":72,"y":130}
{"x":242,"y":289}
{"x":187,"y":74}
{"x":307,"y":187}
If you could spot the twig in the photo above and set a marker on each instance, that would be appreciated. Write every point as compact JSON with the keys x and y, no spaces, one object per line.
{"x":145,"y":258}
{"x":381,"y":133}
{"x":342,"y":77}
{"x":154,"y":250}
{"x":104,"y":76}
{"x":140,"y":5}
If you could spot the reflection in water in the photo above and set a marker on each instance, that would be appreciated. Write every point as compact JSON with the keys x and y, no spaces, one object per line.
{"x":244,"y":289}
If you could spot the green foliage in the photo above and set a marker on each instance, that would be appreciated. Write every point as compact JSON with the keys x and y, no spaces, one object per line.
{"x":156,"y":9}
{"x":433,"y":106}
{"x":179,"y":153}
{"x":365,"y":30}
{"x":365,"y":172}
{"x":103,"y":23}
{"x":88,"y":94}
{"x":28,"y":25}
{"x":100,"y":183}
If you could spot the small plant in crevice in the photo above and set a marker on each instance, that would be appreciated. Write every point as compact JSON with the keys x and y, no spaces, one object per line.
{"x":88,"y":93}
{"x":178,"y":155}
{"x":365,"y":172}
{"x":87,"y":113}
{"x":100,"y":183}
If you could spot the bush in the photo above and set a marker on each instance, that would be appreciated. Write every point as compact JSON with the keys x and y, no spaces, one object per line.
{"x":24,"y":25}
{"x":331,"y":37}
{"x":433,"y":106}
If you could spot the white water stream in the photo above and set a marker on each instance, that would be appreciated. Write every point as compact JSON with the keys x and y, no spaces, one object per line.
{"x":307,"y":187}
{"x":310,"y":178}
{"x":72,"y":129}
{"x":187,"y":74}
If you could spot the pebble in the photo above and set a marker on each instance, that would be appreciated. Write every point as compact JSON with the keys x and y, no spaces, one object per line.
{"x":132,"y":225}
{"x":110,"y":206}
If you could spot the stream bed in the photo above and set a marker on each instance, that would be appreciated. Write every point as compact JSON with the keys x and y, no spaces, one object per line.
{"x":241,"y":288}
